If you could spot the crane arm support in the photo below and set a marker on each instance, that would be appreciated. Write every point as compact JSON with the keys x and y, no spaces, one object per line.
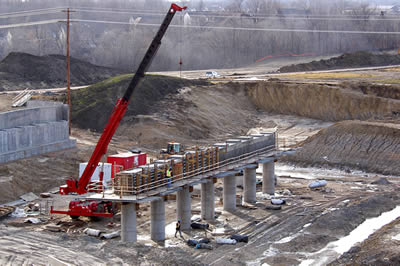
{"x":120,"y":108}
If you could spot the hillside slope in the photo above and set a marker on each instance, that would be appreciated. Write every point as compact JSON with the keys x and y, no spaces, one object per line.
{"x":20,"y":70}
{"x":92,"y":106}
{"x":369,"y":146}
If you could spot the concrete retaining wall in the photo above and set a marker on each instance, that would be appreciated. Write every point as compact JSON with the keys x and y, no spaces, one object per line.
{"x":35,"y":115}
{"x":34,"y":131}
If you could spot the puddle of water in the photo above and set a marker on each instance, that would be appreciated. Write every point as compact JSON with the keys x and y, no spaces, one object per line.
{"x":334,"y":249}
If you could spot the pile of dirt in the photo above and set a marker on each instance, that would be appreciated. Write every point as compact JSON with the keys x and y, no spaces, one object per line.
{"x":92,"y":106}
{"x":348,"y":60}
{"x":20,"y":70}
{"x":372,"y":147}
{"x":327,"y":103}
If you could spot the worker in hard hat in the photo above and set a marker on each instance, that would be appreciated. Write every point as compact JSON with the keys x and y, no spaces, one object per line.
{"x":169,"y":176}
{"x":178,"y":228}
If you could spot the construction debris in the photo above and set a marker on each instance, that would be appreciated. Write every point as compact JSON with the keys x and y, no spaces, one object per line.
{"x":381,"y":181}
{"x":278,"y":201}
{"x":92,"y":232}
{"x":318,"y":184}
{"x":203,"y":246}
{"x":273,"y":207}
{"x":45,"y":195}
{"x":33,"y":221}
{"x":6,"y":210}
{"x":199,"y":226}
{"x":240,"y":238}
{"x":227,"y":241}
{"x":29,"y":197}
{"x":110,"y":235}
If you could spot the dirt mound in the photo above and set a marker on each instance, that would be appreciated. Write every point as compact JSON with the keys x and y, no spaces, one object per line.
{"x":92,"y":106}
{"x":21,"y":70}
{"x":373,"y":147}
{"x":328,"y":103}
{"x":348,"y":60}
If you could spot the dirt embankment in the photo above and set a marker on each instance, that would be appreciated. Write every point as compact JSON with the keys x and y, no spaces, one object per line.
{"x":378,"y":90}
{"x":20,"y":70}
{"x":92,"y":106}
{"x":373,"y":147}
{"x":321,"y":102}
{"x":348,"y":60}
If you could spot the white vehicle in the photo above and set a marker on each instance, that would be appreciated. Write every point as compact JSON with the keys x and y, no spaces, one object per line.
{"x":212,"y":74}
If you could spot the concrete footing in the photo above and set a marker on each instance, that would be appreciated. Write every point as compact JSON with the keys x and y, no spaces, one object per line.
{"x":184,"y":207}
{"x":268,"y":185}
{"x":128,"y":222}
{"x":207,"y":201}
{"x":229,"y":193}
{"x":157,"y":220}
{"x":249,"y":188}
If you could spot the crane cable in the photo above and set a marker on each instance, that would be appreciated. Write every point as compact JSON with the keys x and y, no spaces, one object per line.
{"x":180,"y":47}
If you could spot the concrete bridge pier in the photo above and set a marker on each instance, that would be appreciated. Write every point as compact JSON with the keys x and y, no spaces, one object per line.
{"x":128,"y":222}
{"x":184,"y":207}
{"x":229,"y":193}
{"x":268,"y":184}
{"x":207,"y":201}
{"x":157,"y":220}
{"x":249,"y":188}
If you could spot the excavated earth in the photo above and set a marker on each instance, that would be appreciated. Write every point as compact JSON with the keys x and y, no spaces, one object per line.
{"x":347,"y":60}
{"x":199,"y":113}
{"x":19,"y":71}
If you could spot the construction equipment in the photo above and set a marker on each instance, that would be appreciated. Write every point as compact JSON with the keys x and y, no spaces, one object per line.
{"x":92,"y":208}
{"x":173,"y":148}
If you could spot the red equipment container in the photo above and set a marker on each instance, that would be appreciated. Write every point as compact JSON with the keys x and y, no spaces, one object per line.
{"x":124,"y":161}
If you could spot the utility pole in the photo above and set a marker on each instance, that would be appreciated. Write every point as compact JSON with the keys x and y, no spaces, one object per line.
{"x":68,"y":72}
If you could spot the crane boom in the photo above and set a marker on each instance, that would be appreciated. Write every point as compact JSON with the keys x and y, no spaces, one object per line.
{"x":119,"y":110}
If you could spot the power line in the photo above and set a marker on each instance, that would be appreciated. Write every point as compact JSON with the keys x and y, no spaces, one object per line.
{"x":29,"y":14}
{"x":31,"y":11}
{"x":333,"y":18}
{"x":241,"y":28}
{"x":27,"y":24}
{"x":53,"y":21}
{"x":238,"y":16}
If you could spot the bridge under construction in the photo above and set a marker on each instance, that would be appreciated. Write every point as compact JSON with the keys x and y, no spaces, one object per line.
{"x":226,"y":160}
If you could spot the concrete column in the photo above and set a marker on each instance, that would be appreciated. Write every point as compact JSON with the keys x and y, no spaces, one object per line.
{"x":230,"y":193}
{"x":128,"y":222}
{"x":157,"y":220}
{"x":249,"y":188}
{"x":268,"y":185}
{"x":184,"y":207}
{"x":207,"y":201}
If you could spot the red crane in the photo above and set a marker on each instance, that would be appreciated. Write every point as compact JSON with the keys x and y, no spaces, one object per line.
{"x":93,"y":208}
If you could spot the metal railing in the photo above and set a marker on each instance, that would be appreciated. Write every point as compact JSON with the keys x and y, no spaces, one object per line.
{"x":200,"y":173}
